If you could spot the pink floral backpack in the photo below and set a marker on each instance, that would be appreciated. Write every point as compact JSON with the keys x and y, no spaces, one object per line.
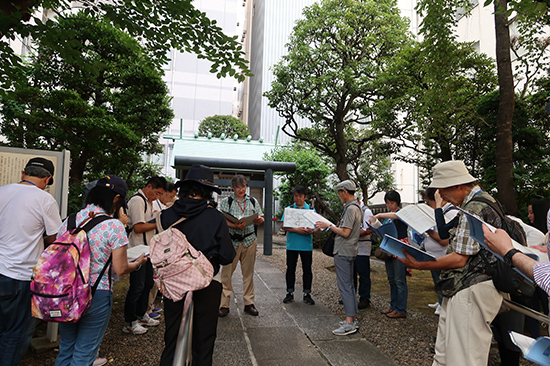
{"x":180,"y":267}
{"x":60,"y":287}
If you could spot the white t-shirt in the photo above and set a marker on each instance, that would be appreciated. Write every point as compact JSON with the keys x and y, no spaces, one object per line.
{"x":26,"y":212}
{"x":139,"y":213}
{"x":364,"y":245}
{"x":431,"y":245}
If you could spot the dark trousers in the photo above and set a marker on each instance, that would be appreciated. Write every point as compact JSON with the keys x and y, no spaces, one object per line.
{"x":137,"y":299}
{"x":205,"y":322}
{"x":16,"y":321}
{"x":291,"y":262}
{"x":362,"y":268}
{"x":502,"y":324}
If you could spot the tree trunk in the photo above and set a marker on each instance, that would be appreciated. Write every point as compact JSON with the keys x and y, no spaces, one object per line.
{"x":504,"y":144}
{"x":342,"y":171}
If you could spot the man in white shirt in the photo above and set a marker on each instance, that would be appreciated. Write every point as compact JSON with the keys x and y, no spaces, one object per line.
{"x":30,"y":219}
{"x":140,"y":215}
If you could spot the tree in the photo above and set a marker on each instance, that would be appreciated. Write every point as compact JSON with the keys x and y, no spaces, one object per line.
{"x":330,"y":75}
{"x":108,"y":118}
{"x":229,"y":125}
{"x":312,"y":172}
{"x":531,"y":146}
{"x":160,"y":25}
{"x":435,"y":90}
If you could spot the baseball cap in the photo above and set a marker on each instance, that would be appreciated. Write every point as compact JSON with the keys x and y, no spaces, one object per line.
{"x":115,"y":183}
{"x":43,"y":163}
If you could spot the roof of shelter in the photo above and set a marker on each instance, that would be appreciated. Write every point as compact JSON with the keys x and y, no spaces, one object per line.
{"x":228,"y":148}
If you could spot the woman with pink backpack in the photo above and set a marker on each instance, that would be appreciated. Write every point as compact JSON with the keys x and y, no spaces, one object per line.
{"x":79,"y":342}
{"x":206,"y":230}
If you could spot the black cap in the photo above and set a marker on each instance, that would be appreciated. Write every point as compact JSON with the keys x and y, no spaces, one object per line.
{"x":203,"y":175}
{"x":43,"y":163}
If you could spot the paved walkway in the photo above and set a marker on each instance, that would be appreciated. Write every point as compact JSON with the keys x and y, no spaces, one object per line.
{"x":286,"y":334}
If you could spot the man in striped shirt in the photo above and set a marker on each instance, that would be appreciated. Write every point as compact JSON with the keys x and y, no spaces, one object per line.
{"x":499,"y":242}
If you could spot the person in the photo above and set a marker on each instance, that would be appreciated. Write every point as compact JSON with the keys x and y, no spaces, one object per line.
{"x":537,"y":212}
{"x":434,"y":243}
{"x":345,"y":250}
{"x":79,"y":342}
{"x":206,"y":229}
{"x":167,"y":199}
{"x":471,"y":301}
{"x":161,"y":203}
{"x":30,"y":219}
{"x":361,"y":267}
{"x":500,"y":243}
{"x":140,"y":215}
{"x":299,"y":243}
{"x":395,"y":270}
{"x":239,"y":204}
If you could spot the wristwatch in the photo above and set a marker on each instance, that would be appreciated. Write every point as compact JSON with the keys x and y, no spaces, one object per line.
{"x":508,"y":256}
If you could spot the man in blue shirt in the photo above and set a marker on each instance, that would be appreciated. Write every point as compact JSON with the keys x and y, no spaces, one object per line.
{"x":299,"y":242}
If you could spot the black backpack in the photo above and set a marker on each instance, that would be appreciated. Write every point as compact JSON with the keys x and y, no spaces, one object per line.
{"x":505,"y":278}
{"x":512,"y":227}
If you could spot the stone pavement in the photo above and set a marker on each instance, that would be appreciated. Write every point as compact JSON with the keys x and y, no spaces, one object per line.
{"x":286,"y":334}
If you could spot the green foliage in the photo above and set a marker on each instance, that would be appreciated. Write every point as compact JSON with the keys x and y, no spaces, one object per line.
{"x":311,"y":172}
{"x":331,"y":75}
{"x":229,"y":125}
{"x":437,"y":100}
{"x":160,"y":25}
{"x":531,"y":146}
{"x":108,"y":119}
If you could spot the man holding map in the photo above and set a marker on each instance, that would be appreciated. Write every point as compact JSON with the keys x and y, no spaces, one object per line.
{"x":299,"y":243}
{"x":243,"y":236}
{"x":471,"y":301}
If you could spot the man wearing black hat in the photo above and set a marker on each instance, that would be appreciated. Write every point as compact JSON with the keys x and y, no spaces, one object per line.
{"x":30,"y":219}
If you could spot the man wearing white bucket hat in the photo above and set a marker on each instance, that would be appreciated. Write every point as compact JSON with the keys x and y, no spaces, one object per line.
{"x":471,"y":301}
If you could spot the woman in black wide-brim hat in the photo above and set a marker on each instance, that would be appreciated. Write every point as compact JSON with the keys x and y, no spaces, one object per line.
{"x":206,"y":229}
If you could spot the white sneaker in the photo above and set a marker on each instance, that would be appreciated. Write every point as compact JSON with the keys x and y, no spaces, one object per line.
{"x":148,"y":322}
{"x":438,"y":310}
{"x":434,"y":305}
{"x":100,"y":361}
{"x":134,"y":328}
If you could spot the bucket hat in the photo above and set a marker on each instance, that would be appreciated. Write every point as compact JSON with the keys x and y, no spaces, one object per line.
{"x":450,"y":173}
{"x":203,"y":175}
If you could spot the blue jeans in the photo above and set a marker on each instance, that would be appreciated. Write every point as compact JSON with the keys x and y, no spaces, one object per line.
{"x":291,"y":262}
{"x":79,"y":342}
{"x":362,"y":268}
{"x":397,"y":277}
{"x":344,"y":279}
{"x":137,"y":299}
{"x":16,"y":322}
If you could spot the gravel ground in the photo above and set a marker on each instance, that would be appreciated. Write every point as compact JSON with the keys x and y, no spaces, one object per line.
{"x":406,"y":341}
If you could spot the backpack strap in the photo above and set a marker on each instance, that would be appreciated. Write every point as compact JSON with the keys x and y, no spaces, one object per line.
{"x":71,"y":222}
{"x":144,"y":211}
{"x":159,"y":224}
{"x":94,"y":287}
{"x":87,"y":227}
{"x":496,"y":206}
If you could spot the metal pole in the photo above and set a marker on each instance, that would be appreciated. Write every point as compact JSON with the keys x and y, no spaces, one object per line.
{"x":268,"y":214}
